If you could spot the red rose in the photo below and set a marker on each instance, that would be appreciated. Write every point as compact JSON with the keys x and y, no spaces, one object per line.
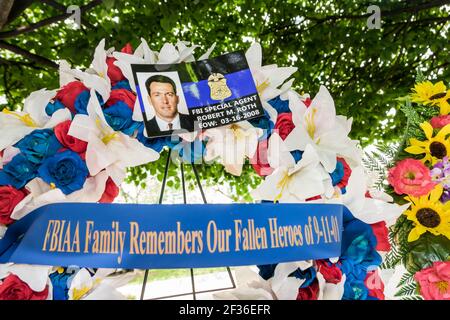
{"x":69,"y":93}
{"x":284,"y":124}
{"x":111,"y":192}
{"x":114,"y":72}
{"x":330,"y":272}
{"x":123,"y":95}
{"x":375,"y":285}
{"x":313,"y":198}
{"x":127,"y":49}
{"x":9,"y":199}
{"x":347,"y":172}
{"x":307,"y":102}
{"x":309,"y":293}
{"x":259,"y":160}
{"x":381,"y":233}
{"x":12,"y":288}
{"x":74,"y":144}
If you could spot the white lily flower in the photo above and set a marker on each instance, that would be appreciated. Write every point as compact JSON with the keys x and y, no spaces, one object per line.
{"x":207,"y":53}
{"x":267,"y":78}
{"x":296,"y":183}
{"x":86,"y":287}
{"x":175,"y":54}
{"x":42,"y":194}
{"x":95,"y":77}
{"x":3,"y":229}
{"x":368,"y":210}
{"x":181,"y":52}
{"x":330,"y":291}
{"x":35,"y":276}
{"x":65,"y":75}
{"x":278,"y":154}
{"x":142,"y":55}
{"x":319,"y":127}
{"x":8,"y":154}
{"x":108,"y":149}
{"x":250,"y":286}
{"x":17,"y":124}
{"x":282,"y":272}
{"x":231,"y":144}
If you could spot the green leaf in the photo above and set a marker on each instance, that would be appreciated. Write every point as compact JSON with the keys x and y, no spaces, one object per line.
{"x":166,"y":24}
{"x":109,"y":4}
{"x":426,"y":250}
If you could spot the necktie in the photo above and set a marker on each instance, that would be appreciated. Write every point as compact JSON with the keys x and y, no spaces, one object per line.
{"x":170,"y":126}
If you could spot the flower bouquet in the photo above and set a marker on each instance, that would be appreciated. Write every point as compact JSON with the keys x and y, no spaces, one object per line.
{"x":419,"y":178}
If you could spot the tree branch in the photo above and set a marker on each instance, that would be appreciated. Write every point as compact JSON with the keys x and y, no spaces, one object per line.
{"x":390,"y":13}
{"x":20,"y":64}
{"x":17,"y":9}
{"x":5,"y":8}
{"x":30,"y":56}
{"x":63,"y":8}
{"x":48,"y":21}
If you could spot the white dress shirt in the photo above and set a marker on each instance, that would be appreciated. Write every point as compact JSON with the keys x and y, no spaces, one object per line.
{"x":164,"y":125}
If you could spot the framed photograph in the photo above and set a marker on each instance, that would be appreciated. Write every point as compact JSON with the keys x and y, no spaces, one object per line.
{"x":198,"y":95}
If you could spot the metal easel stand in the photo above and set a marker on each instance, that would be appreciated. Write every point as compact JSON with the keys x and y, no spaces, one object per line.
{"x":197,"y":178}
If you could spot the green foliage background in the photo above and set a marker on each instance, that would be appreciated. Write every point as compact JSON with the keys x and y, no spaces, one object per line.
{"x":329,"y":41}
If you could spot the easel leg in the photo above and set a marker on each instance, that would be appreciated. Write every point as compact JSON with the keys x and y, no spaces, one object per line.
{"x":204,"y":201}
{"x":161,"y":195}
{"x":163,"y":186}
{"x":185,"y":201}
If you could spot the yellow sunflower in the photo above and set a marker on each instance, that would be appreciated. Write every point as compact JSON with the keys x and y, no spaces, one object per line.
{"x":435,"y":148}
{"x":429,"y":214}
{"x":428,"y":93}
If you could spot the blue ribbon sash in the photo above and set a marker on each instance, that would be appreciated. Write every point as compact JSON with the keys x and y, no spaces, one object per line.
{"x":173,"y":236}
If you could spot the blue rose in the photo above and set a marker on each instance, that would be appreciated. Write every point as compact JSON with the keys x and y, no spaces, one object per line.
{"x":119,"y":117}
{"x":51,"y":108}
{"x":280,"y":105}
{"x":264,"y":123}
{"x":359,"y":243}
{"x":66,"y":170}
{"x":39,"y":145}
{"x":309,"y":275}
{"x":82,"y":101}
{"x":355,"y":289}
{"x":18,"y":172}
{"x":124,"y":84}
{"x":156,"y":144}
{"x":266,"y":271}
{"x":60,"y":285}
{"x":358,"y":256}
{"x":297,"y":154}
{"x":337,"y":174}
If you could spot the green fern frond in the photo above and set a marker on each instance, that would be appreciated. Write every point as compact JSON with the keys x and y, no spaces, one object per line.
{"x":407,"y":290}
{"x":412,"y":297}
{"x":419,"y":76}
{"x":407,"y":278}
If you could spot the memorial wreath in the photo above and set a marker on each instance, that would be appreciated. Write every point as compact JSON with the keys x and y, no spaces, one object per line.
{"x":74,"y":144}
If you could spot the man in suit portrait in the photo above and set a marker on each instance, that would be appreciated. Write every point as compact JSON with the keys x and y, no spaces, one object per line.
{"x":162,"y":95}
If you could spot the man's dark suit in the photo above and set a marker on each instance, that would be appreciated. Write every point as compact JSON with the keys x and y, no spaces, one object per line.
{"x":185,"y":123}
